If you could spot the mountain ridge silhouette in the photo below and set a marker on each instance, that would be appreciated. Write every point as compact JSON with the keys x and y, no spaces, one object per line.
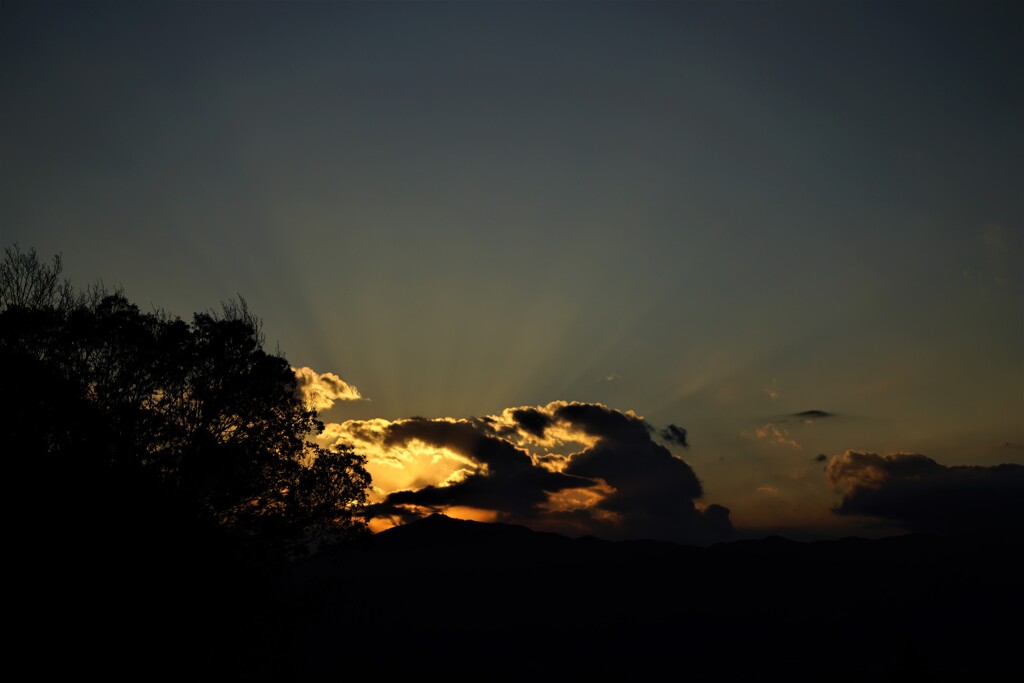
{"x":913,"y":606}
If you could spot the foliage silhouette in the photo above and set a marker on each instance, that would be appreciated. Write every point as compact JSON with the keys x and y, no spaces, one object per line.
{"x":199,"y":410}
{"x":173,"y":456}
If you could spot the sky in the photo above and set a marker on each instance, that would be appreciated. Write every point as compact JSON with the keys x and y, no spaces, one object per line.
{"x":515,"y":248}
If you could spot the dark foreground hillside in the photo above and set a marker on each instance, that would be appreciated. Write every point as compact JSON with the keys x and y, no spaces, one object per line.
{"x":471,"y":601}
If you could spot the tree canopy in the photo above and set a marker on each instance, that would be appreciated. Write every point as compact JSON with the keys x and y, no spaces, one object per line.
{"x":126,"y":415}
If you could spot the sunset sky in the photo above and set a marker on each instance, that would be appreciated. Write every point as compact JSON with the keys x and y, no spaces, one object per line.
{"x":793,"y":229}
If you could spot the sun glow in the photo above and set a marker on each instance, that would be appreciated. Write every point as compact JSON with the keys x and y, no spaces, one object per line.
{"x":571,"y":500}
{"x":471,"y":514}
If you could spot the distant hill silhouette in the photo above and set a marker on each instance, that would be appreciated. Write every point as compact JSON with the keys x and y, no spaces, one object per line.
{"x":465,"y":599}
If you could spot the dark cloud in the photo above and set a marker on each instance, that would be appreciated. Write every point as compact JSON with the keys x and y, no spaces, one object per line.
{"x":517,"y":495}
{"x":820,"y":457}
{"x":601,"y":421}
{"x":465,"y":438}
{"x":493,"y":427}
{"x":654,"y":491}
{"x":508,"y":481}
{"x":675,"y":434}
{"x":920,"y":494}
{"x":636,"y":488}
{"x":532,"y":421}
{"x":644,"y":470}
{"x":813,"y":414}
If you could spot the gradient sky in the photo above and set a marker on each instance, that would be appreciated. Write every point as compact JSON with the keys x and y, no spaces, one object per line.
{"x":714,"y":214}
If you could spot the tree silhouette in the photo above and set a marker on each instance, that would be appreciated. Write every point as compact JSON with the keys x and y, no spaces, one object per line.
{"x":198,"y":412}
{"x":165,"y":475}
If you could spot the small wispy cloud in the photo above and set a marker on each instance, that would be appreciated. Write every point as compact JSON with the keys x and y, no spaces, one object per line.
{"x":810,"y":416}
{"x":610,"y":378}
{"x":675,"y":434}
{"x":772,"y":434}
{"x":773,"y":391}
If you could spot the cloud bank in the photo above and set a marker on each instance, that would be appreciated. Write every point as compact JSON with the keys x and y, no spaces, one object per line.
{"x":321,"y":391}
{"x":919,"y":494}
{"x":575,"y":468}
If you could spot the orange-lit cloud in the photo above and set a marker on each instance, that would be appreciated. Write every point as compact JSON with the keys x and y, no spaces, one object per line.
{"x":397,"y":466}
{"x":564,"y":466}
{"x":321,"y":390}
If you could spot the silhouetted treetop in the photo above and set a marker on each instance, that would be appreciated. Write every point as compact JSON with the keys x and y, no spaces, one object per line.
{"x":100,"y":398}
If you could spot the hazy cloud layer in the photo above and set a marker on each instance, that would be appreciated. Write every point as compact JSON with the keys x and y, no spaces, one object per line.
{"x":571,"y":467}
{"x":919,"y":494}
{"x":321,"y":391}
